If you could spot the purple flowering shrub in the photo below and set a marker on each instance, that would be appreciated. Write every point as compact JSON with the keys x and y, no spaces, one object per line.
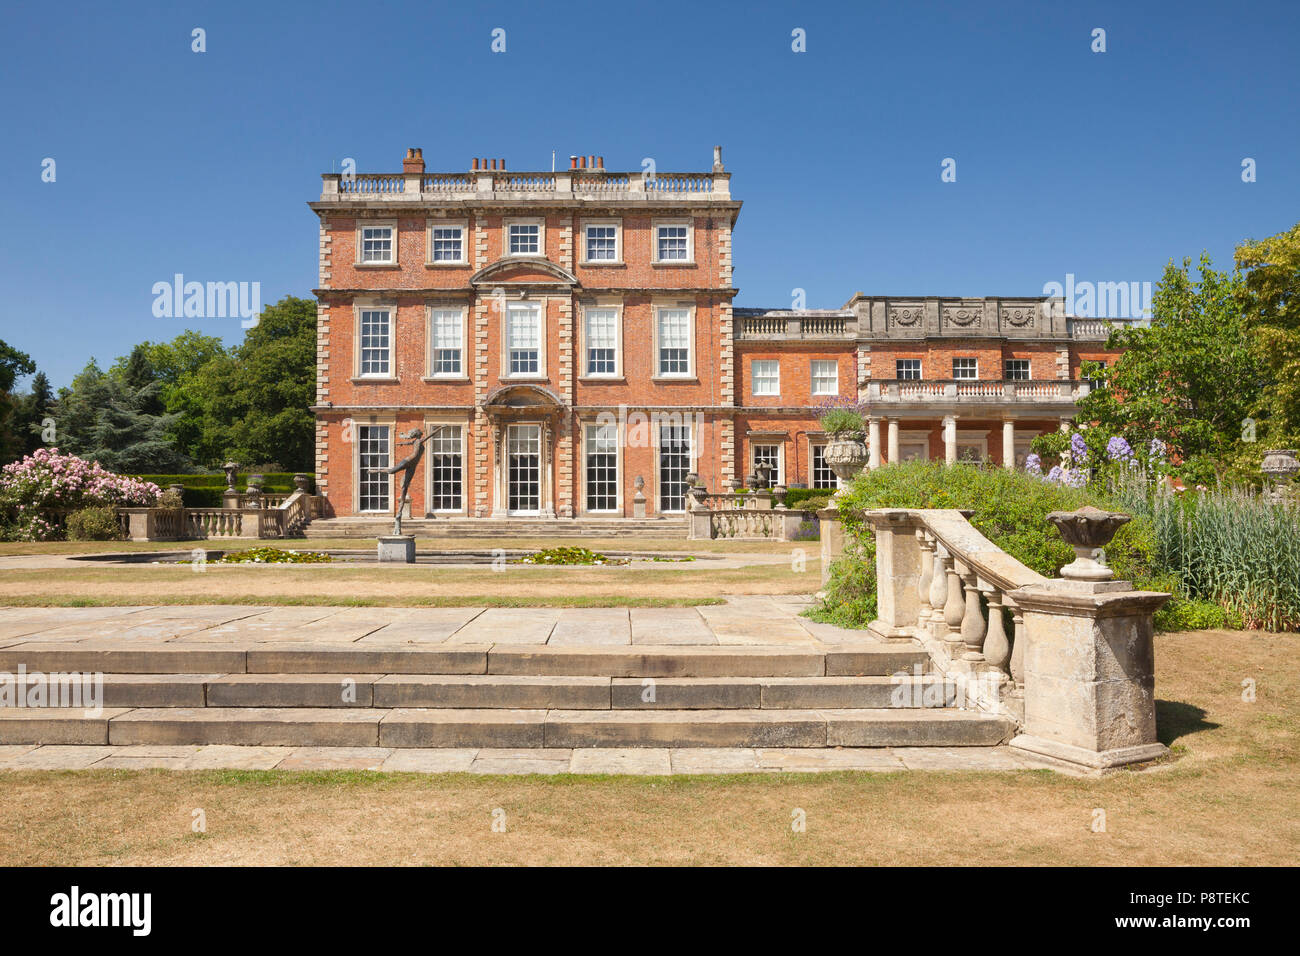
{"x":46,"y":482}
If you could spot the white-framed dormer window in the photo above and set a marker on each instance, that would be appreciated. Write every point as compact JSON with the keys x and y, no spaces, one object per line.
{"x":601,"y":242}
{"x":908,"y":370}
{"x":765,"y":375}
{"x":673,"y":340}
{"x":524,"y":340}
{"x":375,"y":342}
{"x":673,"y":242}
{"x":377,"y":244}
{"x":524,"y":237}
{"x":447,"y":343}
{"x":825,"y":377}
{"x":447,"y":242}
{"x":965,"y":369}
{"x":601,"y":334}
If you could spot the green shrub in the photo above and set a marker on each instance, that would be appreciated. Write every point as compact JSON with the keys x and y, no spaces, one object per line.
{"x":842,"y":421}
{"x":1194,"y":614}
{"x":800,"y":498}
{"x":97,"y":523}
{"x":171,"y":499}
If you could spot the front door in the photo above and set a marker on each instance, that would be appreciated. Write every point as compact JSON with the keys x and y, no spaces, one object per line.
{"x":524,"y":464}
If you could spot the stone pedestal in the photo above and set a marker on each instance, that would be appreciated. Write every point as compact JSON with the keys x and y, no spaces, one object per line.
{"x":397,"y":549}
{"x":898,"y":569}
{"x":638,"y":504}
{"x":832,"y":535}
{"x":1089,"y":673}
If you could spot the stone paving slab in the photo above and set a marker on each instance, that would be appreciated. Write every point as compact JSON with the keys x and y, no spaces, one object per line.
{"x":591,"y":626}
{"x":670,"y":625}
{"x":638,"y":760}
{"x":509,"y":625}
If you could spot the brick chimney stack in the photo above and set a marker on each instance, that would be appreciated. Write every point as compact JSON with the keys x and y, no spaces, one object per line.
{"x":414,"y":161}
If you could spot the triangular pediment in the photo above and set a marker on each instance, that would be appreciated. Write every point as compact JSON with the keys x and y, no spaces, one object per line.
{"x":523,"y":270}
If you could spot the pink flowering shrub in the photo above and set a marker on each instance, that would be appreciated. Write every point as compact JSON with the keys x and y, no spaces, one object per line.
{"x":45,"y":483}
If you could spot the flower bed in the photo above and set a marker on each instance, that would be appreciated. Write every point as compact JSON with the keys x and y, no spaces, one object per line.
{"x":275,"y":556}
{"x":37,"y":490}
{"x":568,"y":556}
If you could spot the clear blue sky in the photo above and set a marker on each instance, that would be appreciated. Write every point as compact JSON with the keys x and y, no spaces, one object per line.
{"x":1103,"y":165}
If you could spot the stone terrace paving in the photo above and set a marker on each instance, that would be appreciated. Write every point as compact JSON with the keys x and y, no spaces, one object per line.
{"x":756,"y":627}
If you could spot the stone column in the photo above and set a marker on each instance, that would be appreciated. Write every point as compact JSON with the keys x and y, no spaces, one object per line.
{"x":1009,"y":444}
{"x":873,"y":443}
{"x":898,"y":568}
{"x":950,"y":439}
{"x":832,"y":540}
{"x":893,"y":441}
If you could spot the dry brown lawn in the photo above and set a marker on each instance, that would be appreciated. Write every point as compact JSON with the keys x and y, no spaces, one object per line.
{"x":1231,"y":795}
{"x":425,"y":585}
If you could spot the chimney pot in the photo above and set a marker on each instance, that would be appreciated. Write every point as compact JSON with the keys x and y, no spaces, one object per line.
{"x":600,"y":162}
{"x":582,"y":162}
{"x":503,"y":164}
{"x":573,"y":162}
{"x":474,"y":163}
{"x":413,"y":161}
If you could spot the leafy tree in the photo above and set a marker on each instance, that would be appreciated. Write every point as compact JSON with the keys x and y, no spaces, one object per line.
{"x":13,"y":363}
{"x":31,"y":412}
{"x":254,"y":400}
{"x":1190,"y":380}
{"x":1271,"y":302}
{"x":114,"y":419}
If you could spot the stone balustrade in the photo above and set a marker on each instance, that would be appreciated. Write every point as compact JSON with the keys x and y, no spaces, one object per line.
{"x":285,"y":519}
{"x":796,"y":326}
{"x":998,"y":391}
{"x":759,"y":514}
{"x":1070,"y":660}
{"x":497,"y":184}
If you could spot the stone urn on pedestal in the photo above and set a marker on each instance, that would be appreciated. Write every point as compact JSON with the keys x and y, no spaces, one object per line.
{"x":846,"y":455}
{"x":1279,"y":465}
{"x":1088,"y":531}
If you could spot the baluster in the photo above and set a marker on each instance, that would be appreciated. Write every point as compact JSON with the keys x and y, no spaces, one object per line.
{"x":972,"y":622}
{"x":1018,"y":645}
{"x":938,"y":591}
{"x":954,"y":607}
{"x":997,"y":649}
{"x":923,"y":582}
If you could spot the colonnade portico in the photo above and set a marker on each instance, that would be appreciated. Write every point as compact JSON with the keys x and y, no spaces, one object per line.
{"x":889,"y":451}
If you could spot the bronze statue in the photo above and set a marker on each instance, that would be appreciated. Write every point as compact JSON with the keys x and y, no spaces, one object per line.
{"x":407,"y":467}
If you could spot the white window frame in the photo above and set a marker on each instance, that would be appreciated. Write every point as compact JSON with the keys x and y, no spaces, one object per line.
{"x":821,"y":443}
{"x":370,"y":306}
{"x":658,"y":224}
{"x":689,"y":309}
{"x":362,"y":226}
{"x":975,"y":373}
{"x":617,"y":309}
{"x":431,"y":372}
{"x":541,"y":236}
{"x":812,"y":376}
{"x":1029,"y":370}
{"x":977,"y":438}
{"x":767,"y":376}
{"x":540,"y":306}
{"x":617,"y":225}
{"x":754,"y":443}
{"x":429,"y":426}
{"x":909,"y":438}
{"x":390,"y":422}
{"x":693,"y":458}
{"x":618,"y":466}
{"x":430,"y":226}
{"x":920,"y":370}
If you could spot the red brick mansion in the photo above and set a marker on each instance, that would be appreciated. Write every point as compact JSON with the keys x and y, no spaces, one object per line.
{"x":569,"y":341}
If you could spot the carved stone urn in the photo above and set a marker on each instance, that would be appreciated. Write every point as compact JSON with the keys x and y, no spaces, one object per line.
{"x":846,"y":454}
{"x":1087,"y":530}
{"x":231,"y":469}
{"x":1279,"y":465}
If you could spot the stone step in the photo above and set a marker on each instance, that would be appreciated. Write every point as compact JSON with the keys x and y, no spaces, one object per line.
{"x":88,"y":657}
{"x":514,"y":692}
{"x":424,"y":728}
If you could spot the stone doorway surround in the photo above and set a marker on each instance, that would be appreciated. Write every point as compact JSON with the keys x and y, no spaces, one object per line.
{"x":523,"y":404}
